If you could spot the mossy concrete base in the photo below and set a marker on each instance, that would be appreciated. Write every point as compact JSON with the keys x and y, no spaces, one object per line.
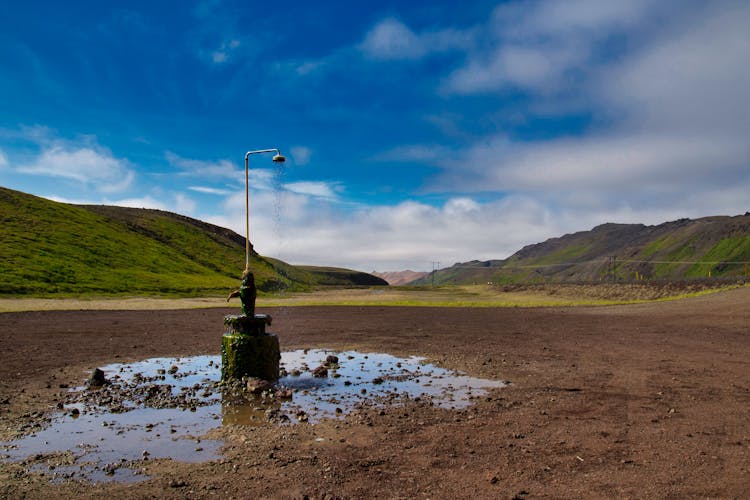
{"x":250,"y":356}
{"x":249,"y":325}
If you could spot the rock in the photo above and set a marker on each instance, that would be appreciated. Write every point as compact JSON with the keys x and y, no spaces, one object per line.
{"x":177,"y":483}
{"x":284,"y":394}
{"x":172,"y":369}
{"x":320,"y":372}
{"x":257,"y":385}
{"x":97,"y":378}
{"x":331,"y":360}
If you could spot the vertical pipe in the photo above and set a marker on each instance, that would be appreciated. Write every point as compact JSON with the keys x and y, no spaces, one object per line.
{"x":247,"y":216}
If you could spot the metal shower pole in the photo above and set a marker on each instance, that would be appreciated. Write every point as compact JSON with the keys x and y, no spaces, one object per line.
{"x":278,"y":158}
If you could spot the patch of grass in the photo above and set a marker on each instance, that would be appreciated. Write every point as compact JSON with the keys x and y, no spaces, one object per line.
{"x":732,"y":249}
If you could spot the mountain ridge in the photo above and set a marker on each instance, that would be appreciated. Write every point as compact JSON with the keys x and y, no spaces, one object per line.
{"x":712,"y":246}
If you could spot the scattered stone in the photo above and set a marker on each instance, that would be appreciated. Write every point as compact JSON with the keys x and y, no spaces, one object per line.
{"x":109,"y":469}
{"x":177,"y":483}
{"x":172,"y":369}
{"x":331,"y":360}
{"x":284,"y":393}
{"x":97,"y":379}
{"x":320,"y":372}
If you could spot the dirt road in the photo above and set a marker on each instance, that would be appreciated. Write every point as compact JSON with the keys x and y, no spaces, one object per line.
{"x":638,"y":401}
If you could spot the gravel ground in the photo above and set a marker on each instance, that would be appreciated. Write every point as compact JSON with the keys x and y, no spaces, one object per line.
{"x":638,"y":401}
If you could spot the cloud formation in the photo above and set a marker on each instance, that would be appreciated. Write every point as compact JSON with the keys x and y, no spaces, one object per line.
{"x":84,"y":161}
{"x":316,"y":189}
{"x":301,"y":155}
{"x":391,"y":39}
{"x":672,"y":114}
{"x":203,"y":168}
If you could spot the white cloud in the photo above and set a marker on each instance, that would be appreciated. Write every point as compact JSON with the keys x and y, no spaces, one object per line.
{"x":536,"y":68}
{"x":417,"y":153}
{"x":301,"y":155}
{"x":225,"y":50}
{"x":620,"y":163}
{"x":210,"y":190}
{"x":542,"y":46}
{"x":170,"y":202}
{"x":314,"y":188}
{"x":142,"y":202}
{"x":305,"y":229}
{"x":204,"y":168}
{"x":390,"y":39}
{"x":691,"y":79}
{"x":183,"y":204}
{"x":84,"y":161}
{"x":3,"y":159}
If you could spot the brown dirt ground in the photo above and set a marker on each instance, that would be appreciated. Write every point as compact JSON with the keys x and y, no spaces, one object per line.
{"x":638,"y":401}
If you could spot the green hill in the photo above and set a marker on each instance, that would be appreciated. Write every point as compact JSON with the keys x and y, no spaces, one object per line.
{"x":56,"y":248}
{"x":462,"y":273}
{"x":334,"y":276}
{"x":716,"y":247}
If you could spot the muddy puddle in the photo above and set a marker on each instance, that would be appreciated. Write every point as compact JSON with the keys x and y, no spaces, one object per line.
{"x":161,"y":408}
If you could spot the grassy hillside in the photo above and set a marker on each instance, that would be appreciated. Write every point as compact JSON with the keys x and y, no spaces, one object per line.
{"x":53,"y":248}
{"x":333,"y":276}
{"x":462,"y":273}
{"x":715,"y":247}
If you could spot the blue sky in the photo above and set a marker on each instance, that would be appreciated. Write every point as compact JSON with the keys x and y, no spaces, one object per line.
{"x":415,"y":131}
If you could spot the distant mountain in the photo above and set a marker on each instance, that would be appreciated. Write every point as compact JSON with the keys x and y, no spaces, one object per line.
{"x":711,"y":246}
{"x":399,"y":277}
{"x":48,"y":247}
{"x":461,"y":273}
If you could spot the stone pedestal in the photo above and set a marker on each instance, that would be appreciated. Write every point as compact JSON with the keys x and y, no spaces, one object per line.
{"x":247,"y":350}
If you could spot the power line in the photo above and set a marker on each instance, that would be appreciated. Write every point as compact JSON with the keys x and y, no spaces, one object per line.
{"x":608,"y":260}
{"x":435,"y":266}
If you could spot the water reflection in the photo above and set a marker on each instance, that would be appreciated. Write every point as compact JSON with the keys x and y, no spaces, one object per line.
{"x":160,"y":408}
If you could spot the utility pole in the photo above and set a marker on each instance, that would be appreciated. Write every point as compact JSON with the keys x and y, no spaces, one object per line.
{"x":612,"y":264}
{"x":435,"y":266}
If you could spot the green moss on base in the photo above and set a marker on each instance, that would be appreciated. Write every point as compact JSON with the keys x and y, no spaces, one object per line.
{"x":250,"y":356}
